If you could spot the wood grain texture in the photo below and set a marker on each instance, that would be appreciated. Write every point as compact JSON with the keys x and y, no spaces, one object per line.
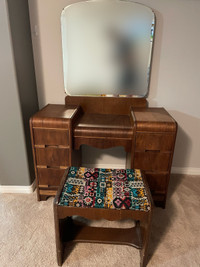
{"x":52,"y":156}
{"x":51,"y":137}
{"x":54,"y":116}
{"x":157,"y":182}
{"x":50,"y":176}
{"x":155,"y":135}
{"x":105,"y":105}
{"x":103,"y":131}
{"x":77,"y":233}
{"x":152,"y":161}
{"x":154,"y":120}
{"x":154,"y":141}
{"x":148,"y":134}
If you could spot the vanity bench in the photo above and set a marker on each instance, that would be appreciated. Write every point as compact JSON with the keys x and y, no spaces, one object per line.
{"x":109,"y":194}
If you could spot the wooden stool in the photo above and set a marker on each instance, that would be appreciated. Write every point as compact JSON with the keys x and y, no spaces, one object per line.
{"x":103,"y":194}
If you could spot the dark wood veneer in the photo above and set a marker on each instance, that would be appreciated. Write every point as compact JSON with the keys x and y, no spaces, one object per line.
{"x":52,"y":156}
{"x":154,"y":141}
{"x":106,"y":105}
{"x":50,"y":176}
{"x":155,"y":132}
{"x":152,"y":161}
{"x":51,"y":137}
{"x":147,"y":133}
{"x":103,"y":131}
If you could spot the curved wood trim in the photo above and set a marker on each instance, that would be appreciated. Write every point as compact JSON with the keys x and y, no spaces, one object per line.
{"x":118,"y":236}
{"x":98,"y":214}
{"x":102,"y":143}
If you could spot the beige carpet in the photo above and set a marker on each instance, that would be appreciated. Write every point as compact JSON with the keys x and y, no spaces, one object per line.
{"x":27,"y":233}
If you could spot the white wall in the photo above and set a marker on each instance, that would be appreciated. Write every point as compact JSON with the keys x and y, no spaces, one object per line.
{"x":175,"y":78}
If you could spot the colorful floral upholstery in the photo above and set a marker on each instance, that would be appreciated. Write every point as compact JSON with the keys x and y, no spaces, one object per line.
{"x":105,"y":188}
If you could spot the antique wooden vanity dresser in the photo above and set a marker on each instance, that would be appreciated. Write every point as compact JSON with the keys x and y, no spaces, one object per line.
{"x":112,"y":59}
{"x":148,"y":134}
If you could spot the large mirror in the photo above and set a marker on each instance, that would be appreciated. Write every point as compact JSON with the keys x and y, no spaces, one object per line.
{"x":107,"y":47}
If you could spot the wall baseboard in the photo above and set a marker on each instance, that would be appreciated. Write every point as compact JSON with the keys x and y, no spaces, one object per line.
{"x":177,"y":170}
{"x":30,"y":188}
{"x":106,"y":166}
{"x":23,"y":189}
{"x":188,"y":171}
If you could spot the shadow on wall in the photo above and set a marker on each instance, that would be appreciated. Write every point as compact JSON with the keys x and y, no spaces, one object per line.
{"x":187,"y":142}
{"x":37,"y":51}
{"x":156,"y":55}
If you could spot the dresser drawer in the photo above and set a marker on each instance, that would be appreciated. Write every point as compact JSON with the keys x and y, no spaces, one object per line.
{"x":152,"y":161}
{"x":51,"y":136}
{"x":49,"y":176}
{"x":158,"y":182}
{"x":154,"y":141}
{"x":52,"y":156}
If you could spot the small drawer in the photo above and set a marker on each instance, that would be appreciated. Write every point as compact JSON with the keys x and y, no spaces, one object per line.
{"x":157,"y":141}
{"x":51,"y":136}
{"x":52,"y":157}
{"x":48,"y":192}
{"x":158,"y":182}
{"x":152,"y":161}
{"x":49,"y":176}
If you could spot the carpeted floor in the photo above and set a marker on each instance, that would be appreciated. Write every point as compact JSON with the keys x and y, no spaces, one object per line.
{"x":27,"y":233}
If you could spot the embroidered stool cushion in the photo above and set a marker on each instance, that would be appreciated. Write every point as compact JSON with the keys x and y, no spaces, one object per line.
{"x":105,"y":188}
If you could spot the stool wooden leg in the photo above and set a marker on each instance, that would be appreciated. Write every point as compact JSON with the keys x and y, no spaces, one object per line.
{"x":59,"y":244}
{"x":145,"y":226}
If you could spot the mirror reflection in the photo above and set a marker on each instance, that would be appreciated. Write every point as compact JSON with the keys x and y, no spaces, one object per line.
{"x":107,"y":47}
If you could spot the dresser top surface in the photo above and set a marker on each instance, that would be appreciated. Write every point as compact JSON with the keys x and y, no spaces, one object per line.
{"x":154,"y":119}
{"x":152,"y":115}
{"x":56,"y":111}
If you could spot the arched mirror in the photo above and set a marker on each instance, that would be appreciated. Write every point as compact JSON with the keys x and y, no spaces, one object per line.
{"x":107,"y":48}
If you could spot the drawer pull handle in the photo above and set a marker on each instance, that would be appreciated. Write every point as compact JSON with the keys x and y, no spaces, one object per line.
{"x":149,"y":150}
{"x":56,"y":167}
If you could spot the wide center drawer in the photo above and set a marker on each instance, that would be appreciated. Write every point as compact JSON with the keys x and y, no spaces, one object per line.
{"x":51,"y":136}
{"x":154,"y":141}
{"x":52,"y":156}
